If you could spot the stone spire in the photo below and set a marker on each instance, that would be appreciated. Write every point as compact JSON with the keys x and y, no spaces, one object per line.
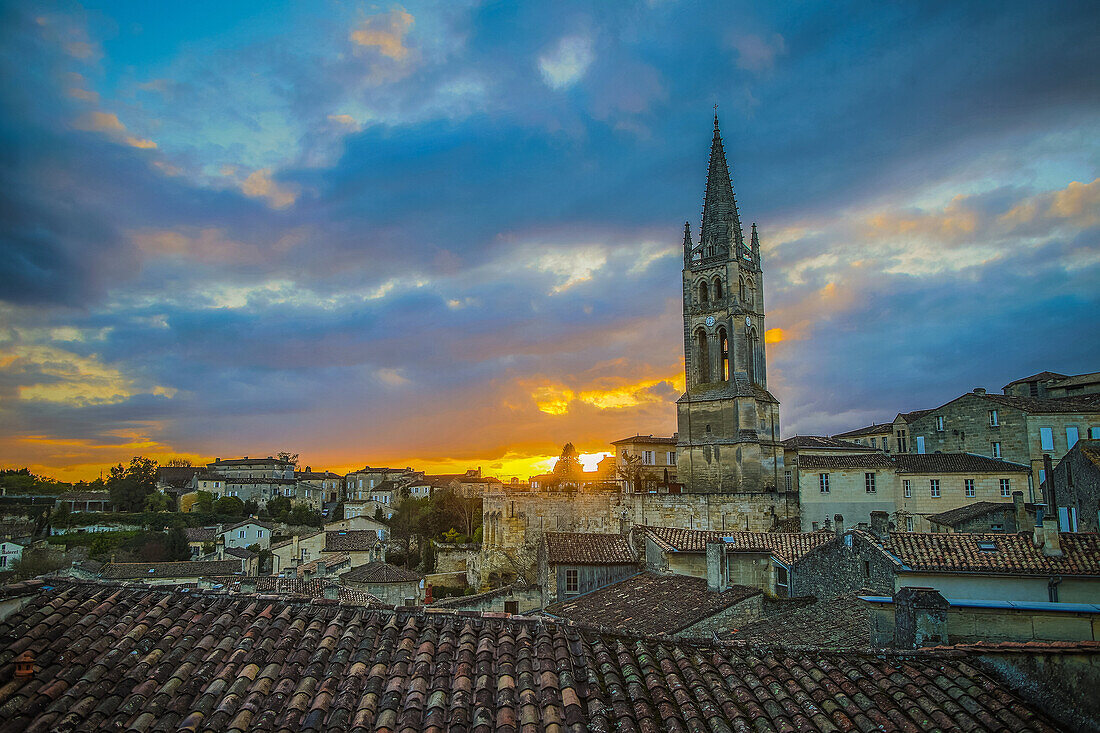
{"x":719,"y":207}
{"x":754,"y":245}
{"x":687,"y":237}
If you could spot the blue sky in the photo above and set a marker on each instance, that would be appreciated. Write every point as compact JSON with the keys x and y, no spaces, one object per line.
{"x":447,"y":234}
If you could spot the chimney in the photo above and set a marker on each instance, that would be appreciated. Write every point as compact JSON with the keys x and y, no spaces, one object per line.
{"x":296,"y":554}
{"x":716,"y":566}
{"x":1046,"y":535}
{"x":839,"y":520}
{"x":307,"y":574}
{"x":1048,"y":487}
{"x":920,"y":618}
{"x":828,"y":524}
{"x":248,"y":584}
{"x":1023,"y":521}
{"x":880,"y":524}
{"x":322,"y":568}
{"x":979,"y":390}
{"x":24,"y":665}
{"x":332,"y":592}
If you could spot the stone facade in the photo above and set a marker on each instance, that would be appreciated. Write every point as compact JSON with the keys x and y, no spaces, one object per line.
{"x":1076,"y":483}
{"x":728,"y":421}
{"x":849,"y":564}
{"x":966,"y":425}
{"x":515,"y":520}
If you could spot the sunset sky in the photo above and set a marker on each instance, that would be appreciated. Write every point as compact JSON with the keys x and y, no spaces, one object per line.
{"x":448,"y":235}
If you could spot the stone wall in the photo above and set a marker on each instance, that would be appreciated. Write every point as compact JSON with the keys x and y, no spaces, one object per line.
{"x":849,"y":564}
{"x":1062,"y":682}
{"x":515,"y":521}
{"x":747,"y":610}
{"x":968,"y":625}
{"x":1077,"y":485}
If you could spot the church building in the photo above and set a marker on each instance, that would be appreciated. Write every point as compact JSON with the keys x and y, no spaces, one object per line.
{"x":728,"y":420}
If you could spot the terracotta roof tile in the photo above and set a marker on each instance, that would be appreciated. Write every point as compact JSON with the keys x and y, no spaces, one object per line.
{"x":865,"y":460}
{"x":183,"y":569}
{"x":650,"y":603}
{"x":786,"y":546}
{"x":822,"y":441}
{"x":1012,"y":554}
{"x":579,"y":548}
{"x":111,"y":658}
{"x":954,"y":463}
{"x":380,"y":572}
{"x":838,"y":623}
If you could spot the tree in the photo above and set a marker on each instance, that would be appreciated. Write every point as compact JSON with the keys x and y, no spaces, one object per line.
{"x":204,"y":502}
{"x":251,"y":508}
{"x":188,"y":501}
{"x":230,"y":505}
{"x":158,"y":501}
{"x":175,"y":546}
{"x":178,"y":463}
{"x":304,"y":514}
{"x":337,"y":512}
{"x":427,"y":556}
{"x":286,"y":456}
{"x":379,"y":514}
{"x":129,"y":485}
{"x":37,"y":562}
{"x":278,"y":507}
{"x":629,"y":468}
{"x":568,"y":467}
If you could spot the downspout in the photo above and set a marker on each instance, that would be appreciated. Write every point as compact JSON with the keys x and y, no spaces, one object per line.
{"x":1052,"y":588}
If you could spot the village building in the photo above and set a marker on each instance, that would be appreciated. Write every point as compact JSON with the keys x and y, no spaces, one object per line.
{"x":245,"y":534}
{"x":362,"y":484}
{"x":1043,"y":565}
{"x":875,"y":435}
{"x":86,"y":501}
{"x":11,"y":552}
{"x":328,"y":485}
{"x":573,"y":563}
{"x":175,"y":481}
{"x":358,"y":523}
{"x":1075,"y":485}
{"x":1017,"y":429}
{"x":757,"y":559}
{"x":1054,"y":385}
{"x":287,"y":555}
{"x":362,"y":545}
{"x":393,"y":585}
{"x":987,"y":517}
{"x":200,"y":539}
{"x":651,"y":458}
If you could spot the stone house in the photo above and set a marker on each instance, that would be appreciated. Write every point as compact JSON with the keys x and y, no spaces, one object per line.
{"x":1052,"y":384}
{"x":1017,"y":429}
{"x":846,"y":489}
{"x":363,"y":545}
{"x":1076,"y":488}
{"x":395,"y":586}
{"x":246,"y":533}
{"x":367,"y":508}
{"x":902,"y":429}
{"x":198,"y":537}
{"x":1042,"y":565}
{"x":327,"y":485}
{"x":287,"y":555}
{"x":798,"y":446}
{"x":658,"y":459}
{"x":11,"y":552}
{"x":177,"y":480}
{"x":512,"y":599}
{"x":361,"y":484}
{"x":359,"y":522}
{"x":875,"y":435}
{"x":757,"y":559}
{"x":573,"y":563}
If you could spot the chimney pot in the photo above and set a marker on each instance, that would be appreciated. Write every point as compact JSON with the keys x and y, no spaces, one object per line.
{"x":24,"y":665}
{"x":838,"y":519}
{"x":979,"y":390}
{"x":716,"y":566}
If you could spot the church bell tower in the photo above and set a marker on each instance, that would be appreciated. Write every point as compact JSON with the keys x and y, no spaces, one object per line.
{"x":728,"y":420}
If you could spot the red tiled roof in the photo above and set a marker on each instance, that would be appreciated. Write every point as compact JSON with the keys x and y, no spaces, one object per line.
{"x":334,"y":560}
{"x":201,"y":534}
{"x":953,"y":517}
{"x":954,"y":463}
{"x":182,"y":569}
{"x":351,"y":540}
{"x":821,"y":442}
{"x":837,"y":623}
{"x":110,"y":658}
{"x":786,"y":546}
{"x":661,"y":440}
{"x":864,"y":460}
{"x":872,"y":429}
{"x":578,"y":548}
{"x":380,"y":572}
{"x":650,"y":603}
{"x":1014,"y":554}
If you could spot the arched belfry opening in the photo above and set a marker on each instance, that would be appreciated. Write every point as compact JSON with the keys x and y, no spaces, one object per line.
{"x":704,"y":293}
{"x":752,"y":365}
{"x":702,"y":354}
{"x":724,"y":355}
{"x":717,"y":288}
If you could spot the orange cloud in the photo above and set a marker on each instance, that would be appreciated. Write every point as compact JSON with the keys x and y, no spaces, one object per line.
{"x":774,"y":336}
{"x":259,"y":184}
{"x":100,"y":122}
{"x":385,"y":33}
{"x":139,"y":142}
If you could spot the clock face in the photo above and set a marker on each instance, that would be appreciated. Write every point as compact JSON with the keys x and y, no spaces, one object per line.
{"x":710,"y":320}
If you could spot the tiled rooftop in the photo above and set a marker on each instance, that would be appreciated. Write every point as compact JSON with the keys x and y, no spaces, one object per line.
{"x":183,"y":569}
{"x":650,"y":603}
{"x":954,"y":463}
{"x":828,"y":463}
{"x":822,"y":441}
{"x":110,"y":658}
{"x":333,"y":561}
{"x":786,"y":546}
{"x":1014,"y":554}
{"x":312,"y":588}
{"x":838,"y":623}
{"x":351,"y":540}
{"x":201,"y":534}
{"x":872,"y":429}
{"x":578,"y":548}
{"x":380,"y":572}
{"x":965,"y":513}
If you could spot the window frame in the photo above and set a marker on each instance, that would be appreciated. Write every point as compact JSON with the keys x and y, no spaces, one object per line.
{"x":994,"y":420}
{"x":572,"y":580}
{"x":869,"y":482}
{"x":907,"y":487}
{"x":1046,"y":438}
{"x":823,"y":482}
{"x":934,"y":488}
{"x":1006,"y":487}
{"x":995,"y":449}
{"x":968,"y":487}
